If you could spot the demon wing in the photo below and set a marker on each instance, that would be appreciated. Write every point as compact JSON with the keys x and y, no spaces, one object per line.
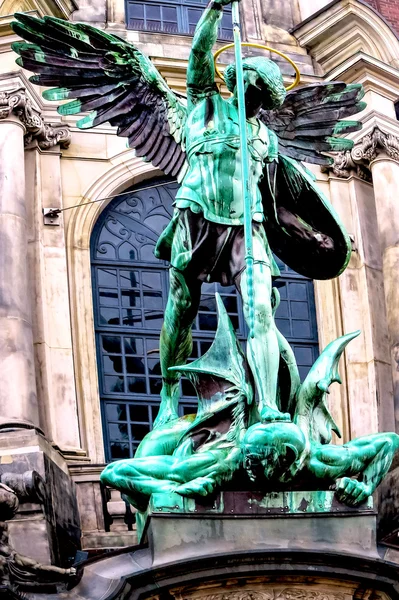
{"x":108,"y":78}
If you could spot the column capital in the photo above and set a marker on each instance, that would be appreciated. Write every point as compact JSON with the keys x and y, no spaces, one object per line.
{"x":358,"y":160}
{"x":47,"y":135}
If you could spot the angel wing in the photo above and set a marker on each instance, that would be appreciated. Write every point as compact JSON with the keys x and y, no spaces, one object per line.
{"x":310,"y":120}
{"x":109,"y":78}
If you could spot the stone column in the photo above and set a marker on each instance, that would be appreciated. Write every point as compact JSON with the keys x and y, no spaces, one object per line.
{"x":51,"y":318}
{"x":18,"y":400}
{"x":378,"y":153}
{"x":385,"y":171}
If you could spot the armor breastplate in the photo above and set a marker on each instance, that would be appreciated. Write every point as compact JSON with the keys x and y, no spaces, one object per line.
{"x":212,"y":183}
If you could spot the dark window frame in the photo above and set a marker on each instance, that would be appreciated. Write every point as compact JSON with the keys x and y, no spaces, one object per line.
{"x":183,"y":25}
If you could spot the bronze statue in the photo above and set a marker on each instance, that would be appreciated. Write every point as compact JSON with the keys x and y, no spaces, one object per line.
{"x":237,"y":204}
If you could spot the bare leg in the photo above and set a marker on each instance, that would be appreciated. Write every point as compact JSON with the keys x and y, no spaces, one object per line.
{"x":263,"y":351}
{"x":368,"y":457}
{"x":176,"y":340}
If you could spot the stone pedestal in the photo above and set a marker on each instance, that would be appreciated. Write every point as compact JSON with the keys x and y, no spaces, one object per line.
{"x":248,"y":522}
{"x":48,"y":532}
{"x":239,"y":546}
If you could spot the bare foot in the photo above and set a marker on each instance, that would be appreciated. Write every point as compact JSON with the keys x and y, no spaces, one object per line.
{"x":269,"y":415}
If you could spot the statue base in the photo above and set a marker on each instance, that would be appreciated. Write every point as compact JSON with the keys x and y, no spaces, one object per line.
{"x":177,"y":527}
{"x":247,"y":546}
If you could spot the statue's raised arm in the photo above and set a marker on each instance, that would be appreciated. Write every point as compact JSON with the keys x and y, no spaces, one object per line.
{"x":201,"y":69}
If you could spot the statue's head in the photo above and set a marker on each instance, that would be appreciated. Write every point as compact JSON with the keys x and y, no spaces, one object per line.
{"x":270,"y":449}
{"x":263,"y":82}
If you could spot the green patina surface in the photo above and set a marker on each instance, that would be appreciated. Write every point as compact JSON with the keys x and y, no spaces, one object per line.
{"x":257,"y":426}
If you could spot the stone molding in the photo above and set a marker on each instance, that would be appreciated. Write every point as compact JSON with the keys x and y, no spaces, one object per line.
{"x":285,"y":594}
{"x":47,"y":135}
{"x":358,"y":160}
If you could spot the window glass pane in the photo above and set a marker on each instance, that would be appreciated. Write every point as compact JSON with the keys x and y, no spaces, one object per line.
{"x":107,"y":277}
{"x":152,"y":11}
{"x":113,"y":384}
{"x":132,"y":318}
{"x":111,"y":343}
{"x":119,"y":451}
{"x":116,"y":412}
{"x":112,"y":364}
{"x":108,"y":297}
{"x":136,"y":10}
{"x":136,"y":385}
{"x":129,"y":279}
{"x":169,"y":14}
{"x":134,"y":345}
{"x":135,"y":365}
{"x":109,"y":316}
{"x":118,"y":432}
{"x":138,"y":412}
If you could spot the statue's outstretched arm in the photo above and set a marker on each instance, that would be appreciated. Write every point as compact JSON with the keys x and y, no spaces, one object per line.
{"x":368,"y":458}
{"x":201,"y":70}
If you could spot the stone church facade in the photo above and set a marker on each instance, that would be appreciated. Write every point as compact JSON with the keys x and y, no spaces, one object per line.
{"x":53,"y":388}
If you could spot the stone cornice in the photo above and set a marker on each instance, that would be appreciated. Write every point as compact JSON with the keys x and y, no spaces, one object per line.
{"x":357,"y":161}
{"x":47,"y":135}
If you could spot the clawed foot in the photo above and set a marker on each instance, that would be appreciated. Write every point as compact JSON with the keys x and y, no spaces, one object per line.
{"x":200,"y":486}
{"x":352,"y":492}
{"x":269,"y":415}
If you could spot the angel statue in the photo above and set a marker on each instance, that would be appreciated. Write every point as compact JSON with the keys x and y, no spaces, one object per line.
{"x":197,"y":140}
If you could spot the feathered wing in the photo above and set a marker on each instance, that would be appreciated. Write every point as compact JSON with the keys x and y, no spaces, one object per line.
{"x":311,"y":119}
{"x":108,"y":78}
{"x":302,"y":227}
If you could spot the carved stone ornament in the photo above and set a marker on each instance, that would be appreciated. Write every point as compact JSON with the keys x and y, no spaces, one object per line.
{"x":357,"y":161}
{"x":47,"y":134}
{"x":285,"y":594}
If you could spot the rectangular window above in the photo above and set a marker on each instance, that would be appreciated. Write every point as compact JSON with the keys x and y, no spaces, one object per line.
{"x":174,"y":17}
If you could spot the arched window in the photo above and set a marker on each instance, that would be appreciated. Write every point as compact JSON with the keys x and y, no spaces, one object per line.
{"x":130,"y":289}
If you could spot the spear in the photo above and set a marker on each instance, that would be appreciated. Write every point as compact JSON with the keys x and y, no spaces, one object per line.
{"x":249,"y":259}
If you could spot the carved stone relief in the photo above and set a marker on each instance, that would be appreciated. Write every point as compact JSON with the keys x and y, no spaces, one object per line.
{"x":291,"y":593}
{"x":357,"y":161}
{"x":47,"y":134}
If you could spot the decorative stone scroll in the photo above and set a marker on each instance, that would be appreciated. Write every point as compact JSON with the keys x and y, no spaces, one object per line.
{"x":47,"y":134}
{"x":357,"y":161}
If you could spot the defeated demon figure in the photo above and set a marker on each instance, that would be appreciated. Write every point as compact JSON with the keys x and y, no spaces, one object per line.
{"x":197,"y":455}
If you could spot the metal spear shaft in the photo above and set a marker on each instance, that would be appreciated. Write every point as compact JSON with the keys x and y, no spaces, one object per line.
{"x":242,"y":120}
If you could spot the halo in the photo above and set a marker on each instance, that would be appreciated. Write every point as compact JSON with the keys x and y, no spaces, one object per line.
{"x":262,"y":47}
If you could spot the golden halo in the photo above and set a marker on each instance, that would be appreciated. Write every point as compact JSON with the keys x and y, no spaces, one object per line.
{"x":262,"y":47}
